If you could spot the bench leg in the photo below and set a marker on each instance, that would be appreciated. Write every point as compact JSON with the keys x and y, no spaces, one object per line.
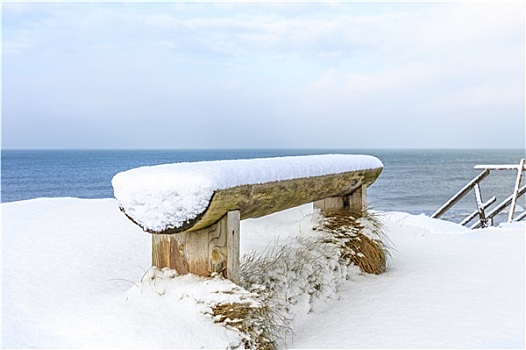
{"x":356,"y":201}
{"x":202,"y":252}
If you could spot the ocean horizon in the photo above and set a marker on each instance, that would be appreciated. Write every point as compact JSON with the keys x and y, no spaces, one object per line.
{"x":413,"y":180}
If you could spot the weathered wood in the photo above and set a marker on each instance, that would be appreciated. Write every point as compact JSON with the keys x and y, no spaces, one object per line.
{"x":161,"y":247}
{"x":209,"y":243}
{"x":258,"y":200}
{"x":233,"y":232}
{"x":201,"y":252}
{"x":331,"y":203}
{"x":356,"y":201}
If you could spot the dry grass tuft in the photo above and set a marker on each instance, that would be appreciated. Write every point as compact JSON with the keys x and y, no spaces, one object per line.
{"x":366,"y":254}
{"x":285,"y":279}
{"x":344,"y":228}
{"x":249,"y":320}
{"x":285,"y":276}
{"x":231,"y":313}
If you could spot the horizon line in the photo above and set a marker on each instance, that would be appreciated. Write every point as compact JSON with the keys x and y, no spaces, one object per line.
{"x":262,"y":148}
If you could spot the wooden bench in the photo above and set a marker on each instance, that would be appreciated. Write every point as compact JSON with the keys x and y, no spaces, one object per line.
{"x":207,"y":241}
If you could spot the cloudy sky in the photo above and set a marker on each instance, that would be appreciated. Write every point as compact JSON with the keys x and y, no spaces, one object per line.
{"x":263,"y":75}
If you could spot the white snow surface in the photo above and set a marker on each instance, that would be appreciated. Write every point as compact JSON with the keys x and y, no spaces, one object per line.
{"x":166,"y":196}
{"x":75,"y":275}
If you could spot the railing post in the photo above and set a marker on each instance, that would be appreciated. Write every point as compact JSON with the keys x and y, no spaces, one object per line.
{"x":460,"y":194}
{"x":480,"y":206}
{"x":475,"y":213}
{"x":520,"y":169}
{"x":502,"y":205}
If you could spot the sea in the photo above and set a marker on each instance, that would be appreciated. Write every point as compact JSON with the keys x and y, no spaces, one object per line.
{"x":416,"y":181}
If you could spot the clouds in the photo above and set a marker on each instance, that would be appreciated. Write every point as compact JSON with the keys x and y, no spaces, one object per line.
{"x":280,"y":74}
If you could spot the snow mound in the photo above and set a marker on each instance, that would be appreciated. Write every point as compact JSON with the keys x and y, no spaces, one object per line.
{"x":166,"y":196}
{"x":75,"y":275}
{"x":423,"y":221}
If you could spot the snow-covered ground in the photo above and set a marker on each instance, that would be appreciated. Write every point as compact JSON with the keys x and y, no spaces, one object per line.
{"x":72,"y":276}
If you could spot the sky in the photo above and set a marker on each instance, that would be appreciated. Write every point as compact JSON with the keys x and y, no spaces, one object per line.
{"x":109,"y":75}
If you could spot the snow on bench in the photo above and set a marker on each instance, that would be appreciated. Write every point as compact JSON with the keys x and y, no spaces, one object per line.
{"x":190,"y":207}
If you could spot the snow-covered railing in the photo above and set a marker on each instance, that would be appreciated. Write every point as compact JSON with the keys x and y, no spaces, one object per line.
{"x":193,"y":209}
{"x":486,"y":220}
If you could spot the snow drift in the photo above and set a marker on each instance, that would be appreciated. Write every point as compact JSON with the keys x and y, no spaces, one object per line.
{"x":75,"y":274}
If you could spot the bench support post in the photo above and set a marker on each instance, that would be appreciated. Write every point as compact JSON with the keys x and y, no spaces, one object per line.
{"x":356,"y":201}
{"x":201,"y":252}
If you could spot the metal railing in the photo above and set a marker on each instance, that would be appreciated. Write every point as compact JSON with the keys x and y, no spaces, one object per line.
{"x":486,"y":219}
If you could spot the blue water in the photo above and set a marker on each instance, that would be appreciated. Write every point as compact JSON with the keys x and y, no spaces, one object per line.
{"x":414,"y":181}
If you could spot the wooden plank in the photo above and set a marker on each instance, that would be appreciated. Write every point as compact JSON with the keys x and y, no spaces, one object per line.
{"x":258,"y":200}
{"x":169,"y":251}
{"x":233,"y":232}
{"x":196,"y":251}
{"x":201,"y":252}
{"x":161,"y":250}
{"x":331,"y":203}
{"x":358,"y":199}
{"x":215,"y":246}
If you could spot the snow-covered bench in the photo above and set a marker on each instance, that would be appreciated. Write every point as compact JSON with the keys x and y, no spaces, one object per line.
{"x":193,"y":209}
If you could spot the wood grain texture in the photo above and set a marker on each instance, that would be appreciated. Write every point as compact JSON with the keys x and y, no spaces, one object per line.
{"x":258,"y":200}
{"x":210,"y":243}
{"x":233,"y":241}
{"x":201,"y":252}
